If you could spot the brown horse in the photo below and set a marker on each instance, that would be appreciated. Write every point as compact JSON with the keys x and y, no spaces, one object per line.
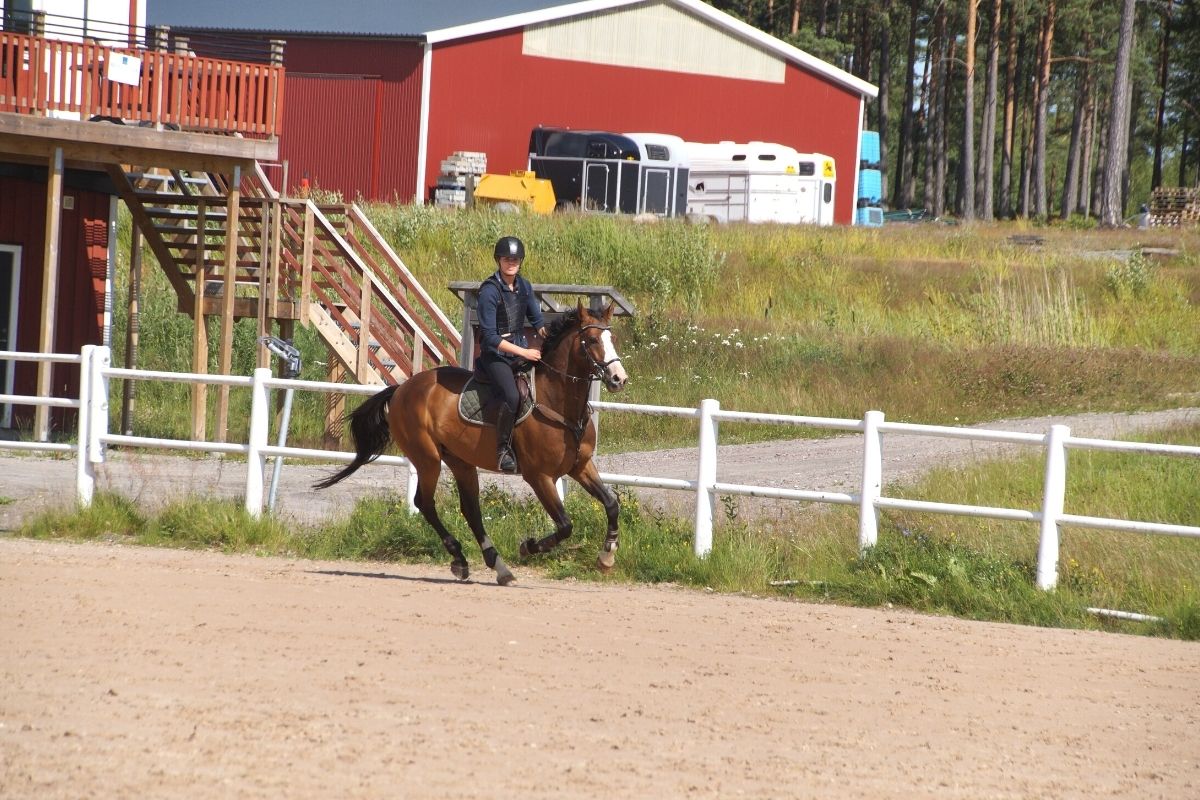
{"x":557,"y":439}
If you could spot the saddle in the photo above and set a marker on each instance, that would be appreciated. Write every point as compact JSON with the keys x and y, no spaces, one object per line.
{"x":478,"y":393}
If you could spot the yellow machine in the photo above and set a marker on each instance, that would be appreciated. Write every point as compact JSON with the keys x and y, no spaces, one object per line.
{"x":522,"y":188}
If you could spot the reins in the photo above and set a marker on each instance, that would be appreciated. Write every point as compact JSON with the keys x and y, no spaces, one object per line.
{"x":596,"y":374}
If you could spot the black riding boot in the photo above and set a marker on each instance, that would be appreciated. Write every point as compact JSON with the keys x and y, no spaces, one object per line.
{"x":504,"y":428}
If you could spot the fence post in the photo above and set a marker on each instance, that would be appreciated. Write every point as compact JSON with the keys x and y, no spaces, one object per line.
{"x":872,"y":480}
{"x":706,"y":476}
{"x":97,"y":423}
{"x":85,"y":472}
{"x":1053,"y":498}
{"x":257,"y":440}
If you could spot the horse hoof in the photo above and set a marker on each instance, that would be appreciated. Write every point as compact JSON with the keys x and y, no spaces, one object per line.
{"x":525,"y":551}
{"x":461,"y":571}
{"x":606,"y":561}
{"x":503,"y":576}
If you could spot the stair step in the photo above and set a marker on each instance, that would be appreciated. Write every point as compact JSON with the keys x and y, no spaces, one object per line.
{"x":174,"y":213}
{"x":153,"y":176}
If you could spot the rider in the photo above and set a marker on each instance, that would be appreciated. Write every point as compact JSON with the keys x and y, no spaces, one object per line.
{"x":506,"y":300}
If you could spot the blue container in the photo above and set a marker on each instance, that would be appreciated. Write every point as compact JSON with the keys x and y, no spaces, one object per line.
{"x":869,"y":147}
{"x":870,"y":185}
{"x":870,"y":217}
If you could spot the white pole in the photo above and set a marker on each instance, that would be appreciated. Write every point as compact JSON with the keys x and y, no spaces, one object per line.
{"x":98,"y":399}
{"x":280,"y":441}
{"x":872,"y":480}
{"x":706,"y":476}
{"x":85,"y":472}
{"x":1053,"y":499}
{"x":255,"y":461}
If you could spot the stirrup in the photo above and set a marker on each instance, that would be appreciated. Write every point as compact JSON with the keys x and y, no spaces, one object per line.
{"x":506,"y":461}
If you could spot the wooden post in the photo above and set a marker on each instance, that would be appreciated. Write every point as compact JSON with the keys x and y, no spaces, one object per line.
{"x":200,"y":331}
{"x":363,"y":362}
{"x":232,"y":210}
{"x":306,"y":264}
{"x":275,"y":286}
{"x":264,"y":281}
{"x":54,"y":179}
{"x":335,"y":404}
{"x":132,"y":328}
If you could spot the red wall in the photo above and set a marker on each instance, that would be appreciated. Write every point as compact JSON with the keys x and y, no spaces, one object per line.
{"x":352,"y":115}
{"x":486,"y":96}
{"x":83,"y":261}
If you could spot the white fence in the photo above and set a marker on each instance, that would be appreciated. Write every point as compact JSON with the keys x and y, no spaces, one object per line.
{"x":93,"y":437}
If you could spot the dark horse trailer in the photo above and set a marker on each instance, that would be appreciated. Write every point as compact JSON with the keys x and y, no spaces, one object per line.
{"x":628,"y":173}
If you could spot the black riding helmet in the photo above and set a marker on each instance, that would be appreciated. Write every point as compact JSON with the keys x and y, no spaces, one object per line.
{"x":509,"y":246}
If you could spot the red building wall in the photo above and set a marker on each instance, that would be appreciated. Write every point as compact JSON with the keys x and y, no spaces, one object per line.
{"x":83,"y":263}
{"x":485,"y":95}
{"x":352,"y":115}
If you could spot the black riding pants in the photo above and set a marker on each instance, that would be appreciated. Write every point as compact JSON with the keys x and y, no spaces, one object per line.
{"x":504,"y":383}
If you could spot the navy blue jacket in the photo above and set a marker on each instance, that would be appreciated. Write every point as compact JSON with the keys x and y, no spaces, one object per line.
{"x":502,"y":314}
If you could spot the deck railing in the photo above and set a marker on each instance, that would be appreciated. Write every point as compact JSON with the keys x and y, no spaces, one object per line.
{"x":51,"y":77}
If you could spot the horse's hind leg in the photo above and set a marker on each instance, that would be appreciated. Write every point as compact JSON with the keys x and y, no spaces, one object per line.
{"x":543,"y":487}
{"x":467,"y":478}
{"x":589,"y":478}
{"x":427,"y":478}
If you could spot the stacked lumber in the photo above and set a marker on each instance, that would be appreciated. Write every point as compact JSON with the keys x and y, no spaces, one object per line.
{"x":460,"y":172}
{"x":1173,"y":207}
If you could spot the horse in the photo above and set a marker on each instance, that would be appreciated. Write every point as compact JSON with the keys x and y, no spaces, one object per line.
{"x":558,"y":438}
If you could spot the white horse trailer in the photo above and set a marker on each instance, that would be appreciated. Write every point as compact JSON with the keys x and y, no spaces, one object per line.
{"x":760,"y":182}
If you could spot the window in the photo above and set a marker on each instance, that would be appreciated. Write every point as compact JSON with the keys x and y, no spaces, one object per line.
{"x":807,"y":168}
{"x":767,"y":157}
{"x":657,"y":152}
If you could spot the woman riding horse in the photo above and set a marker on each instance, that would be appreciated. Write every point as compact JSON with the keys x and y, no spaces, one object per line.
{"x":506,"y":300}
{"x":558,"y":438}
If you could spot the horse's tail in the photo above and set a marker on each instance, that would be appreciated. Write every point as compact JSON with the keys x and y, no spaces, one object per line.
{"x":369,"y":427}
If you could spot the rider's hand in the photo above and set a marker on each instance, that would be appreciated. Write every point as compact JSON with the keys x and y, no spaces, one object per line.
{"x":529,"y":354}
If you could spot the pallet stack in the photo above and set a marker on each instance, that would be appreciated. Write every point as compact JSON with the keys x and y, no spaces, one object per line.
{"x":1172,"y":207}
{"x":460,"y":173}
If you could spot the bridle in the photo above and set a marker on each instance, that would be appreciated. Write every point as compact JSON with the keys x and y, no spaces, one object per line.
{"x":597,"y":368}
{"x":596,"y":373}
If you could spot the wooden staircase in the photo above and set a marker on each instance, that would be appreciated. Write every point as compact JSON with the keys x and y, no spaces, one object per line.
{"x":325,"y":266}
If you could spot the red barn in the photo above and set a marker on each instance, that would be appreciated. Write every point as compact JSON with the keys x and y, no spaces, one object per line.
{"x":380,"y":92}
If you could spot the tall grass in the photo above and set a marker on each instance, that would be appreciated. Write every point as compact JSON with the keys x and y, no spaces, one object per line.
{"x":928,"y":323}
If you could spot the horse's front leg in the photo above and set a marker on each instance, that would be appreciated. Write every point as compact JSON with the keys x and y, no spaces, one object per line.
{"x":589,"y":478}
{"x":467,"y":478}
{"x":543,"y":487}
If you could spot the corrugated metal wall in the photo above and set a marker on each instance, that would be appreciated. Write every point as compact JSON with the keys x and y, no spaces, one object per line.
{"x":486,"y":95}
{"x":352,"y":115}
{"x":653,"y":36}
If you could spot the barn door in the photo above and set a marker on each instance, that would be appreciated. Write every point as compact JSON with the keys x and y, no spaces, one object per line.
{"x":595,"y":188}
{"x":10,"y":273}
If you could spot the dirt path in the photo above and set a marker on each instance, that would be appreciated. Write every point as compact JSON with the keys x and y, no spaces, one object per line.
{"x":151,"y":478}
{"x":131,"y":672}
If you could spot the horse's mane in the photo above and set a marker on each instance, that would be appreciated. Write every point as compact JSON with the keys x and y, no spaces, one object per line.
{"x":558,"y":330}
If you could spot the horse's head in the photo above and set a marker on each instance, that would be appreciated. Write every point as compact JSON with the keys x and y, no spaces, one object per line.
{"x":598,"y":345}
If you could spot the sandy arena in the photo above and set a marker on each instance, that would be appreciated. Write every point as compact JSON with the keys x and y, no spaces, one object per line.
{"x":132,"y":672}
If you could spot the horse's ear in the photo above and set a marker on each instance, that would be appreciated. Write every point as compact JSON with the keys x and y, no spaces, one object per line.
{"x":580,"y":308}
{"x":608,"y":312}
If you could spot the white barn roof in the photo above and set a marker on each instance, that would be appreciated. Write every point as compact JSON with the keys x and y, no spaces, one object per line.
{"x":436,"y":22}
